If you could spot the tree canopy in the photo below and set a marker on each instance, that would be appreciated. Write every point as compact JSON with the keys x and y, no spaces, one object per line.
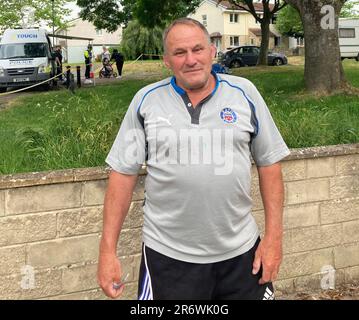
{"x":110,"y":14}
{"x":11,"y":12}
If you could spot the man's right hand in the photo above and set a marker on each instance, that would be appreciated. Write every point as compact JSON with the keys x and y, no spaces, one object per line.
{"x":109,"y":271}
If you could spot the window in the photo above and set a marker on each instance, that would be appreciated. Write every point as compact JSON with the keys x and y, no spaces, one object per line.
{"x":99,"y":32}
{"x":204,"y":20}
{"x":252,"y":41}
{"x":234,"y":41}
{"x":346,"y":33}
{"x":23,"y":50}
{"x":300,"y":41}
{"x":233,"y":17}
{"x":260,"y":16}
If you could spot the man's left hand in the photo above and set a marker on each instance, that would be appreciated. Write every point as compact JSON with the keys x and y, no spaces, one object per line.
{"x":269,"y":255}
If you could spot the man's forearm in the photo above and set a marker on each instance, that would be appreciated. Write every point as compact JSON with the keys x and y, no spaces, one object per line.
{"x":272,"y":191}
{"x":117,"y":202}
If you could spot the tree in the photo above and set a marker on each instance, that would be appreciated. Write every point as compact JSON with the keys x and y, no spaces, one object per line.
{"x":107,"y":14}
{"x":289,"y":23}
{"x":110,"y":14}
{"x":269,"y":10}
{"x":151,"y":13}
{"x":323,"y":71}
{"x":11,"y":12}
{"x":137,"y":39}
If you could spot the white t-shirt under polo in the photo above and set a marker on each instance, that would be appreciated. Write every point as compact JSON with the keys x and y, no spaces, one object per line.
{"x":197,"y":190}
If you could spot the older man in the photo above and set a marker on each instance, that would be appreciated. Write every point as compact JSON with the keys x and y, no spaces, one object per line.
{"x":196,"y":131}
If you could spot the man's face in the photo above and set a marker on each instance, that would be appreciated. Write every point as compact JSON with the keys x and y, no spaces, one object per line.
{"x":189,"y":56}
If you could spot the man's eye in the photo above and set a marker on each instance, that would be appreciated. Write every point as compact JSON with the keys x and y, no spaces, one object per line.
{"x":197,"y":49}
{"x":179,"y":53}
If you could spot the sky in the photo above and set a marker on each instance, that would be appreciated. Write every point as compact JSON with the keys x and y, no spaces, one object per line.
{"x":74,"y":10}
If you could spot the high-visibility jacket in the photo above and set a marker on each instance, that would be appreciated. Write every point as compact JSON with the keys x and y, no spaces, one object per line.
{"x":88,"y":56}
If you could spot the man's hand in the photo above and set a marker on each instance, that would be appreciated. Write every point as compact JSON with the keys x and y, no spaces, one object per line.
{"x":109,"y":271}
{"x":269,"y":256}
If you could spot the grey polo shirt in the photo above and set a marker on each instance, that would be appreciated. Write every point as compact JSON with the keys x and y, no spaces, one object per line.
{"x":197,"y":190}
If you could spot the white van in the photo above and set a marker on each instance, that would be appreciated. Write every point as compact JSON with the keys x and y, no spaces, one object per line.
{"x":349,"y":38}
{"x":25,"y":58}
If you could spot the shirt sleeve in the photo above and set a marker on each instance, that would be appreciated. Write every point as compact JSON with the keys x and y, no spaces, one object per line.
{"x":128,"y":151}
{"x":268,"y":146}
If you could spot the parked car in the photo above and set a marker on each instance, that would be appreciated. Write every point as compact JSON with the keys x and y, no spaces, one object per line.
{"x":248,"y":56}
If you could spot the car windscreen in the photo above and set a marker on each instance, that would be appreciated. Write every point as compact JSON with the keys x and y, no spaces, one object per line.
{"x":23,"y":50}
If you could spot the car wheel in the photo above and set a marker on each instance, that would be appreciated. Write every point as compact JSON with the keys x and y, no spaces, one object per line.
{"x":277,"y":62}
{"x":236,"y":64}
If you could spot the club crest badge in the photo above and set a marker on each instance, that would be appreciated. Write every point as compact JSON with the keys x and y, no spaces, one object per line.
{"x":228,"y":115}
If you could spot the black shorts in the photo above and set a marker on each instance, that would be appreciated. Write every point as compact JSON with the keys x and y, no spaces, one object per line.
{"x":164,"y":278}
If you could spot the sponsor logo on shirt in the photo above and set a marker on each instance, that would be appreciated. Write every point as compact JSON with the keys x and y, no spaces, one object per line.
{"x":228,"y":115}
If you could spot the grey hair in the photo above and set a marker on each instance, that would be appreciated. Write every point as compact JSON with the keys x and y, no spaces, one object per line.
{"x":184,"y":21}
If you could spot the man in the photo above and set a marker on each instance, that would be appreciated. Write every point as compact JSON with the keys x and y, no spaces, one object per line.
{"x":88,"y":61}
{"x":197,"y":131}
{"x":105,"y":54}
{"x":118,"y":57}
{"x":58,"y":61}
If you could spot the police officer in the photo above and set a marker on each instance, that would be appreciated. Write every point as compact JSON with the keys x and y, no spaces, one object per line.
{"x":88,"y":59}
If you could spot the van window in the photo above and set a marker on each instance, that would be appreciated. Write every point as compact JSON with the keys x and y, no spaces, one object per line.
{"x":23,"y":50}
{"x":346,"y":33}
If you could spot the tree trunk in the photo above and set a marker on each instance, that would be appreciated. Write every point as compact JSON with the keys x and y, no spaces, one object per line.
{"x":323,"y":70}
{"x":263,"y":55}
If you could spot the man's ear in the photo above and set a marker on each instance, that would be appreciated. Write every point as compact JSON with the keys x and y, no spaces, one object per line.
{"x":165,"y":61}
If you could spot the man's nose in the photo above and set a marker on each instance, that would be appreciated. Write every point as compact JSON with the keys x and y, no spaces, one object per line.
{"x":190,"y":58}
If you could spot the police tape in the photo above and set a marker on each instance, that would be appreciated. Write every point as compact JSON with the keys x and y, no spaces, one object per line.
{"x":92,"y":73}
{"x":32,"y":86}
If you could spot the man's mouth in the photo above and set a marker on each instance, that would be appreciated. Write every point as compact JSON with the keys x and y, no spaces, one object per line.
{"x":194,"y":70}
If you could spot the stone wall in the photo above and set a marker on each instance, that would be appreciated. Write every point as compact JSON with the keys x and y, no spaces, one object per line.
{"x":50,"y":224}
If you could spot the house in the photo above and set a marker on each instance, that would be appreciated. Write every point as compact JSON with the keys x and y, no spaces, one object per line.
{"x":229,"y":26}
{"x":73,"y":49}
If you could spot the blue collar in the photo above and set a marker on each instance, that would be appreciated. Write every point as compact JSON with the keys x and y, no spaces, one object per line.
{"x":181,"y":92}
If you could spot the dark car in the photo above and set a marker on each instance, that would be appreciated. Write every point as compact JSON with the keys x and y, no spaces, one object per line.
{"x":248,"y":56}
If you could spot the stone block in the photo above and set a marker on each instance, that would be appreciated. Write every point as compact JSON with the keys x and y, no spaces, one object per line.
{"x":347,"y":165}
{"x":134,"y":217}
{"x":307,"y":191}
{"x":320,"y":167}
{"x":27,"y":228}
{"x":301,"y":216}
{"x":293,"y":170}
{"x":94,"y":192}
{"x":346,"y":256}
{"x":61,"y":252}
{"x":43,"y":198}
{"x":130,"y":242}
{"x":339,"y":210}
{"x":12,"y":259}
{"x":79,"y":221}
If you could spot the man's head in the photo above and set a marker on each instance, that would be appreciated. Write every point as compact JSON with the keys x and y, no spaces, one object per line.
{"x":188,"y":52}
{"x":89,"y":47}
